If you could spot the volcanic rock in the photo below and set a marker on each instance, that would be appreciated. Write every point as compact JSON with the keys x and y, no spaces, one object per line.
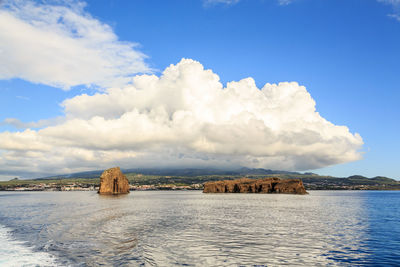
{"x":266,"y":185}
{"x":113,"y":182}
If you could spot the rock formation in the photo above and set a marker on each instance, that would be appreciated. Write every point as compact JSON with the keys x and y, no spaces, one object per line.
{"x":266,"y":185}
{"x":113,"y":182}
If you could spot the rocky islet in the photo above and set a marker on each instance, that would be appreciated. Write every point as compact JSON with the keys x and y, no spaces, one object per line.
{"x":266,"y":185}
{"x":113,"y":182}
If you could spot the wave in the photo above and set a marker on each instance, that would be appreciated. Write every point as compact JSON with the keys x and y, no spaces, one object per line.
{"x":16,"y":253}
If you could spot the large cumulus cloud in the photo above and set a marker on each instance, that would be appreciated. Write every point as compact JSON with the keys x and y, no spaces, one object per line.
{"x":57,"y":43}
{"x":185,"y":117}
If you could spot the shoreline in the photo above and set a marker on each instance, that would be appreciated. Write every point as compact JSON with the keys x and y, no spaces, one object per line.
{"x":141,"y":190}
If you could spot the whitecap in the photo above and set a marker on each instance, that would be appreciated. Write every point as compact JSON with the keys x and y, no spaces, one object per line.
{"x":17,"y":253}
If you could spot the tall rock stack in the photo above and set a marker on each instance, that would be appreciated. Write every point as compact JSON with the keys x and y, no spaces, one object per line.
{"x":113,"y":182}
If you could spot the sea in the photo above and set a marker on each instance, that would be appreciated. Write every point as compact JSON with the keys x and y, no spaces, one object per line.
{"x":189,"y":228}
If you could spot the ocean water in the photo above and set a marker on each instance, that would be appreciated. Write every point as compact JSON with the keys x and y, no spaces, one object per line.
{"x":189,"y":228}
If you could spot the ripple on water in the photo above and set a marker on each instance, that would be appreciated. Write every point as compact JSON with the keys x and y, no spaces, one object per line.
{"x":191,"y":228}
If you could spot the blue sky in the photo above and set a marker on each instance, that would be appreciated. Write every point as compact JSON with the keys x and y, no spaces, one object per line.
{"x":346,"y":53}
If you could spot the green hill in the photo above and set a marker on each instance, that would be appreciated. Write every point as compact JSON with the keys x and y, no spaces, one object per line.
{"x":192,"y":176}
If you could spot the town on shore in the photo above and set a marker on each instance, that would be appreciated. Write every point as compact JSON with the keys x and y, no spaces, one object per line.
{"x":54,"y":186}
{"x":194,"y":179}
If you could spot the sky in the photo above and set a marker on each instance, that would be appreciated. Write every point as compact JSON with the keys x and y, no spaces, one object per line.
{"x":301,"y":85}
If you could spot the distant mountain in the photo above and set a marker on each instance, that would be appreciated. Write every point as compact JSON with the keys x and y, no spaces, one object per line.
{"x":377,"y":179}
{"x":190,"y":172}
{"x":199,"y":172}
{"x":194,"y":174}
{"x":88,"y":174}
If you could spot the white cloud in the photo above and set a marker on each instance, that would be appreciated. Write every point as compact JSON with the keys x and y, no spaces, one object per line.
{"x":232,"y":2}
{"x":63,"y":46}
{"x":394,"y":3}
{"x":391,"y":2}
{"x":185,"y":117}
{"x":37,"y":124}
{"x":226,"y":2}
{"x":395,"y":6}
{"x":285,"y":2}
{"x":395,"y":16}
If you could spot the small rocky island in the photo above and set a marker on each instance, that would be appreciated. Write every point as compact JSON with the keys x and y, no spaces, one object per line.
{"x":113,"y":182}
{"x":266,"y":185}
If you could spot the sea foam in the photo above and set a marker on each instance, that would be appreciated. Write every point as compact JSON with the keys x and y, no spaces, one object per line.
{"x":16,"y":253}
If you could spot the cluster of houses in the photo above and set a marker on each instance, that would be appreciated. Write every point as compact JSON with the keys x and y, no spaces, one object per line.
{"x":86,"y":187}
{"x":53,"y":187}
{"x":166,"y":187}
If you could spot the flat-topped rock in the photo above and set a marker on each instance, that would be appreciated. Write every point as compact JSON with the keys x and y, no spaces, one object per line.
{"x":113,"y":182}
{"x":266,"y":185}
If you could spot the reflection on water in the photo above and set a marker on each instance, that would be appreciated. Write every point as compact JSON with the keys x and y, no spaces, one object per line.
{"x":191,"y":228}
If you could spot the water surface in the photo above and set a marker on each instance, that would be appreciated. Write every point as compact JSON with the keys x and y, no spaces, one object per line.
{"x":164,"y":228}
